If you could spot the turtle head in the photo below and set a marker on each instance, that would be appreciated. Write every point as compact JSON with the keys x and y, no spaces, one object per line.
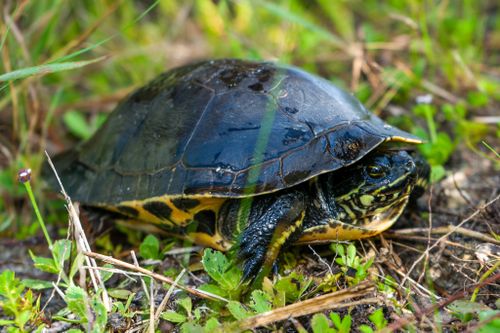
{"x":376,"y":188}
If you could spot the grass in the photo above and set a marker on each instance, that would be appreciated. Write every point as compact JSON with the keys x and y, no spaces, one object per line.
{"x":425,"y":66}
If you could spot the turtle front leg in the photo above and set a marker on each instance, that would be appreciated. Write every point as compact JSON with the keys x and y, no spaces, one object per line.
{"x":272,"y":222}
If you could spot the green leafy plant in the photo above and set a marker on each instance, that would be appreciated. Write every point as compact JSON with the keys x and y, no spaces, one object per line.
{"x":150,"y":248}
{"x":260,"y":302}
{"x":212,"y":325}
{"x":349,"y":260}
{"x":123,"y":308}
{"x":466,"y":311}
{"x":89,"y":310}
{"x":288,"y":289}
{"x":225,"y":275}
{"x":17,"y":302}
{"x":439,"y":146}
{"x":320,"y":323}
{"x":378,"y":320}
{"x":184,"y":314}
{"x":190,"y":320}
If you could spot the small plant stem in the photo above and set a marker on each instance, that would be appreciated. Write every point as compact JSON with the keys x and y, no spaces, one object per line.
{"x":485,"y":276}
{"x":431,"y":124}
{"x":165,"y":299}
{"x":152,"y":307}
{"x":27,"y":185}
{"x":491,"y":148}
{"x":144,"y":287}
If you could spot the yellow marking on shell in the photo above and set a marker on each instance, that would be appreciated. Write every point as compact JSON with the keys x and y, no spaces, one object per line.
{"x":215,"y":241}
{"x":338,"y":230}
{"x":398,"y":138}
{"x":177,"y":216}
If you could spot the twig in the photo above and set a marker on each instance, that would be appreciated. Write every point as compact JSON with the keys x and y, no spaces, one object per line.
{"x":424,"y":290}
{"x":298,"y":326}
{"x":165,"y":299}
{"x":429,"y":310}
{"x":152,"y":307}
{"x":57,"y":290}
{"x":445,"y":230}
{"x":470,"y":217}
{"x":392,"y":235}
{"x":136,"y":263}
{"x":162,"y":278}
{"x":483,"y":277}
{"x":81,"y":241}
{"x":116,"y":271}
{"x":320,"y":303}
{"x":321,"y":260}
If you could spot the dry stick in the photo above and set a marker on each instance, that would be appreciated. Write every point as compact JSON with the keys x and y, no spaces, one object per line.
{"x":136,"y":263}
{"x":152,"y":307}
{"x":128,"y":275}
{"x":429,"y":237}
{"x":320,"y":303}
{"x":470,"y":217}
{"x":82,"y":242}
{"x":392,"y":235}
{"x":162,"y":278}
{"x":165,"y":299}
{"x":395,"y":265}
{"x":444,"y":230}
{"x":283,"y":313}
{"x":420,"y":287}
{"x":429,"y":310}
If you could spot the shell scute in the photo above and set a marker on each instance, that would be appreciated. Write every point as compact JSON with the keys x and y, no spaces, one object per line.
{"x":225,"y":128}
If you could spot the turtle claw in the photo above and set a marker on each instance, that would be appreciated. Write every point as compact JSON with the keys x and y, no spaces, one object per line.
{"x":252,"y":251}
{"x":251,"y":268}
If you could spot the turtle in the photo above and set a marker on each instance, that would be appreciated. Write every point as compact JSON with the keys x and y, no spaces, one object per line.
{"x":246,"y":156}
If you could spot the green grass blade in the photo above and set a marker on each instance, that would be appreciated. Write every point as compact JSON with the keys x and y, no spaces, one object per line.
{"x":4,"y":37}
{"x":45,"y":69}
{"x":93,"y":46}
{"x":491,"y":149}
{"x":302,"y":21}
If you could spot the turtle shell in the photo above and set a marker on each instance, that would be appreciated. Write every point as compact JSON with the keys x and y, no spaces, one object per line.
{"x":222,"y":128}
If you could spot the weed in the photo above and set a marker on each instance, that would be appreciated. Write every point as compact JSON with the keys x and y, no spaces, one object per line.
{"x":227,"y":276}
{"x":320,"y":323}
{"x":150,"y":248}
{"x":349,"y":260}
{"x":378,"y":320}
{"x":19,"y":303}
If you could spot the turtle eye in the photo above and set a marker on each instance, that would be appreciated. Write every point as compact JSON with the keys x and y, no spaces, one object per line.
{"x":376,"y":171}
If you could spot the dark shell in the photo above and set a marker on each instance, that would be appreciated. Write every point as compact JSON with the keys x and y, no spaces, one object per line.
{"x":226,"y":128}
